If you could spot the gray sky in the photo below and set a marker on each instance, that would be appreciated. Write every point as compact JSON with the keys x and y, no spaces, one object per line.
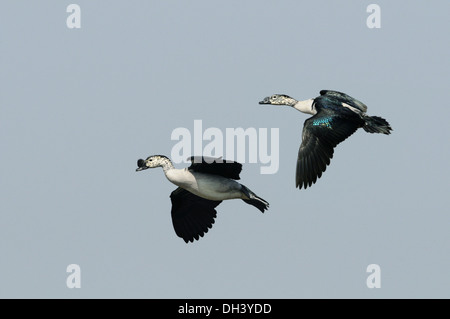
{"x":78,"y":107}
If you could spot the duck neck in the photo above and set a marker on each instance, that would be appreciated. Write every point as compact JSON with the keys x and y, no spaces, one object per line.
{"x":306,"y":106}
{"x":166,"y":165}
{"x":290,"y":101}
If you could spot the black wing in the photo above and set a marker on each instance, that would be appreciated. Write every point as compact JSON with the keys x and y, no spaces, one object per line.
{"x":344,"y":98}
{"x":216,"y":166}
{"x":192,"y":215}
{"x":321,"y":133}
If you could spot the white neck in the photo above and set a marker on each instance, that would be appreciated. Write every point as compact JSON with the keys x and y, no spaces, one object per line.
{"x":179,"y":177}
{"x":173,"y":174}
{"x":306,"y":106}
{"x":166,"y":165}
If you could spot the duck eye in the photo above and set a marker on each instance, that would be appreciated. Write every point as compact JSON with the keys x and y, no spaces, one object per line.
{"x":273,"y":97}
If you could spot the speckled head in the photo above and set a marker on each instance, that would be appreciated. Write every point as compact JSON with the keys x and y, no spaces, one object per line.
{"x":279,"y":99}
{"x":152,"y":162}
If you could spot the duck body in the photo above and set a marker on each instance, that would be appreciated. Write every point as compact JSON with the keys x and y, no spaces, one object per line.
{"x":201,"y":188}
{"x":208,"y":186}
{"x":335,"y":116}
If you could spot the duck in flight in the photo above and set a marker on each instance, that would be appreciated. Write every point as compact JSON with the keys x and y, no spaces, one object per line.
{"x":201,"y":188}
{"x":335,"y":116}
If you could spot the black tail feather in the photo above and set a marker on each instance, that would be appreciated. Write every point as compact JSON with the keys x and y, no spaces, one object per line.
{"x":376,"y":124}
{"x":255,"y":200}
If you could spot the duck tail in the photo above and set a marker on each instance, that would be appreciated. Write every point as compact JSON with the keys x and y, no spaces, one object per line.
{"x":254,"y":199}
{"x":376,"y":124}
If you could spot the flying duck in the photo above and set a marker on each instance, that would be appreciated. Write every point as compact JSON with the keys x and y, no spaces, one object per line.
{"x":201,"y":188}
{"x":336,"y":116}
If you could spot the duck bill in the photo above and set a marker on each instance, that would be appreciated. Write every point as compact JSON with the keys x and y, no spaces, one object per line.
{"x":141,"y":165}
{"x":265,"y":101}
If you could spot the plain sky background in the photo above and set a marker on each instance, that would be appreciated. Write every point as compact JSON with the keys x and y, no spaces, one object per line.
{"x":78,"y":107}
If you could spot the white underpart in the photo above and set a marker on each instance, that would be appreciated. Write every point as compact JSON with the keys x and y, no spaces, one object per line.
{"x":208,"y":186}
{"x":306,"y":106}
{"x":354,"y":109}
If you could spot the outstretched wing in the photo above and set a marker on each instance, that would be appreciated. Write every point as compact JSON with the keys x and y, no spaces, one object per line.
{"x":192,"y":215}
{"x":335,"y":96}
{"x":321,"y":133}
{"x":216,"y":166}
